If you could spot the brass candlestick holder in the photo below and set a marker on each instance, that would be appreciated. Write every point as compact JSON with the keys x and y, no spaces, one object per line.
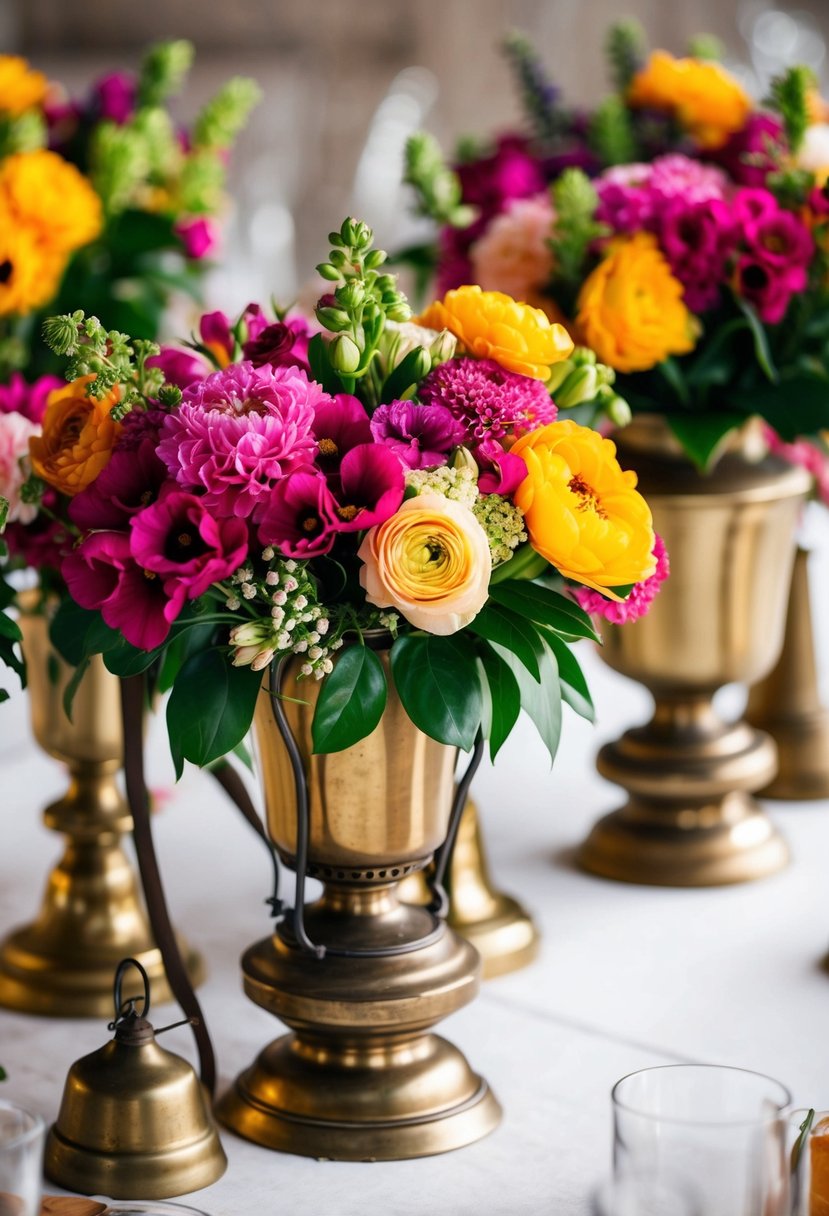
{"x":499,"y":928}
{"x":787,"y":703}
{"x":359,"y":977}
{"x":91,"y":916}
{"x":690,"y":819}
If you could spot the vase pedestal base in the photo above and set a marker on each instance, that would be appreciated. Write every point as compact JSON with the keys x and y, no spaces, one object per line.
{"x":361,"y":1078}
{"x":803,"y":747}
{"x":690,"y":820}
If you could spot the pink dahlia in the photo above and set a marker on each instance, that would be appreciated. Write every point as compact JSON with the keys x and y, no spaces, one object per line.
{"x":486,"y":399}
{"x":239,"y":432}
{"x":640,"y":599}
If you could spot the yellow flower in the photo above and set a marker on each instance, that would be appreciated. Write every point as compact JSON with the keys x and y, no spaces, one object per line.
{"x":581,"y":510}
{"x":21,"y":89}
{"x":705,"y":99}
{"x":630,"y":309}
{"x":78,"y":437}
{"x":430,"y":561}
{"x":46,"y":193}
{"x":491,"y":325}
{"x":29,"y":273}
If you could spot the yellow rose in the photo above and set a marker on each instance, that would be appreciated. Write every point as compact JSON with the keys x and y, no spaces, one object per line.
{"x":29,"y":273}
{"x":705,"y":99}
{"x":21,"y":89}
{"x":47,"y":194}
{"x":581,"y":510}
{"x":78,"y":437}
{"x":430,"y":561}
{"x":630,"y":309}
{"x":491,"y":325}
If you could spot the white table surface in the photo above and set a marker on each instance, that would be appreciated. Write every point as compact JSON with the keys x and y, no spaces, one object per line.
{"x":628,"y":976}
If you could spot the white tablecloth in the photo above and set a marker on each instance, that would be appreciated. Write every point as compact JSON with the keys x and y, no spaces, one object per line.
{"x":628,"y":976}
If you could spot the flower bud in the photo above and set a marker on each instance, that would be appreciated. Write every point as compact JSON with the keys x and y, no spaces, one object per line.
{"x":583,"y":356}
{"x":443,"y":347}
{"x":422,"y":365}
{"x":400,"y":312}
{"x":327,"y":271}
{"x":344,"y":354}
{"x":375,"y":258}
{"x":351,"y":295}
{"x":250,"y":633}
{"x":463,"y":459}
{"x":262,"y":659}
{"x":558,"y":374}
{"x":618,"y":411}
{"x":333,"y":319}
{"x":580,"y":385}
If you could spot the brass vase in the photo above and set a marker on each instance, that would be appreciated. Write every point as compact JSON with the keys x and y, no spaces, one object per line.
{"x":500,"y":929}
{"x":690,"y":819}
{"x":787,"y":703}
{"x":91,"y":915}
{"x":360,"y":1076}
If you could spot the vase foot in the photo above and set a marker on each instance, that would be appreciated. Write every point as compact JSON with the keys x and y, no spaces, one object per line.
{"x":506,"y":940}
{"x":803,"y":750}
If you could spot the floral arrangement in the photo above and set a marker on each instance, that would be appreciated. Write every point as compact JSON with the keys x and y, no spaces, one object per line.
{"x":276,"y":492}
{"x":105,"y":203}
{"x":679,"y":230}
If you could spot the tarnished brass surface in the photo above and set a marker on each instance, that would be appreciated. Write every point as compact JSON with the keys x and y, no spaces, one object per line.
{"x":787,"y":703}
{"x":91,"y":915}
{"x":502,"y":932}
{"x":690,"y":819}
{"x":361,"y":1077}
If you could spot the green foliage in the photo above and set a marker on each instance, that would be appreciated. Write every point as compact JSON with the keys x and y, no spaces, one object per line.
{"x":706,"y":46}
{"x":626,"y":48}
{"x":210,"y":708}
{"x":538,"y":93}
{"x":163,"y":71}
{"x":611,"y":133}
{"x":575,"y":201}
{"x":789,"y":96}
{"x":438,"y":192}
{"x":437,"y":683}
{"x":118,"y":162}
{"x":111,"y":357}
{"x":502,"y":698}
{"x":224,"y":116}
{"x":201,"y":182}
{"x":351,"y":701}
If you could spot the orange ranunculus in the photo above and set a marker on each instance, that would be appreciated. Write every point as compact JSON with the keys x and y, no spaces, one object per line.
{"x":47,"y":194}
{"x":29,"y":272}
{"x":490,"y":325}
{"x":581,"y":510}
{"x":630,"y":308}
{"x":705,"y":99}
{"x":21,"y":88}
{"x":78,"y":436}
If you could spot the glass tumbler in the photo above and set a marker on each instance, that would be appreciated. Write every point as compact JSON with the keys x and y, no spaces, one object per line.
{"x":720,"y":1132}
{"x":21,"y":1156}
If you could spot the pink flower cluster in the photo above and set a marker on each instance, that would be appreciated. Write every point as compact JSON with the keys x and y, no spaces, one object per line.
{"x":806,"y":454}
{"x":640,"y":599}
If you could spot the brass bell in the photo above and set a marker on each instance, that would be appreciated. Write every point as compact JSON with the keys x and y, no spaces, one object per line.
{"x":134,"y":1121}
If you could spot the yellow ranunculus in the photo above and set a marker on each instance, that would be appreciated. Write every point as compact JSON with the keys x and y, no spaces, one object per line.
{"x":630,"y":309}
{"x":46,"y":193}
{"x":78,"y":436}
{"x":430,"y":561}
{"x":29,"y":273}
{"x":490,"y":325}
{"x":21,"y":88}
{"x":706,"y":100}
{"x":581,"y":510}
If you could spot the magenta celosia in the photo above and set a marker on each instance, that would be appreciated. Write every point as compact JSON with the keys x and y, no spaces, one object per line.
{"x":640,"y":599}
{"x":489,"y":401}
{"x":420,"y":435}
{"x":239,"y":432}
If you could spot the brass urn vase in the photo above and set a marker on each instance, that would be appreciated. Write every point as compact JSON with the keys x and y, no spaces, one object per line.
{"x":690,"y":818}
{"x":359,"y":977}
{"x":91,"y":915}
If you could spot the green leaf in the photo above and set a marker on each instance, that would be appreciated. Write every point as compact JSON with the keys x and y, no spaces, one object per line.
{"x":126,"y":660}
{"x":437,"y":681}
{"x":320,"y":365}
{"x":4,"y":696}
{"x":210,"y":708}
{"x":407,"y":373}
{"x":351,"y":701}
{"x":760,"y":338}
{"x":182,"y":644}
{"x":546,"y":607}
{"x":701,"y":435}
{"x":498,"y":624}
{"x":674,"y":376}
{"x":505,"y":698}
{"x":574,"y":689}
{"x":9,"y":628}
{"x":541,"y":701}
{"x":77,"y":633}
{"x":73,"y":685}
{"x":715,"y":363}
{"x":797,"y":405}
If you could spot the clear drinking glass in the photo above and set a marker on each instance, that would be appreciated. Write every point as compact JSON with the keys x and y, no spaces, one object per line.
{"x":21,"y":1156}
{"x":644,"y":1195}
{"x":720,"y":1132}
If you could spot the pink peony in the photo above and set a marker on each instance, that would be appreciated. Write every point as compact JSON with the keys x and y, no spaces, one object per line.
{"x":239,"y":432}
{"x":29,"y":400}
{"x":640,"y":599}
{"x":514,"y":255}
{"x":488,"y":400}
{"x":178,"y":539}
{"x":15,"y":431}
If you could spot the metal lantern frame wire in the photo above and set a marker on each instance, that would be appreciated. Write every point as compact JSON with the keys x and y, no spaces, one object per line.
{"x":439,"y":903}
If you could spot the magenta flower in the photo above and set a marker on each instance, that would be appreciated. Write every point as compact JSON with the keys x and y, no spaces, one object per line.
{"x":340,"y":424}
{"x":697,"y":241}
{"x":819,"y":200}
{"x":371,"y":488}
{"x":178,"y":539}
{"x":640,"y":599}
{"x":500,"y":471}
{"x":752,"y":207}
{"x":180,"y":367}
{"x":239,"y":432}
{"x":130,"y":482}
{"x":20,"y":397}
{"x":486,"y":399}
{"x":806,"y":454}
{"x":283,"y":344}
{"x":769,"y":290}
{"x":512,"y":171}
{"x":420,"y":435}
{"x":754,"y":151}
{"x":198,"y":236}
{"x":298,"y":517}
{"x":635,"y":196}
{"x":782,"y":240}
{"x":103,"y":574}
{"x":113,"y":98}
{"x":215,"y":333}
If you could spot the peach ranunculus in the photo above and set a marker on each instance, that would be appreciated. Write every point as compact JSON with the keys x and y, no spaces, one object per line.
{"x":514,"y":254}
{"x":581,"y":510}
{"x":48,"y":194}
{"x":705,"y":99}
{"x":491,"y":325}
{"x":15,"y":433}
{"x":630,"y":309}
{"x":78,"y":436}
{"x":21,"y":88}
{"x":430,"y":561}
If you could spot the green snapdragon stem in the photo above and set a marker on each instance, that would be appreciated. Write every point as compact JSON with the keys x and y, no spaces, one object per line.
{"x":132,"y":710}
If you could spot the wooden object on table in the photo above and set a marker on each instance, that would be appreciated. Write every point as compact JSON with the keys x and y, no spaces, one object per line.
{"x":69,"y":1205}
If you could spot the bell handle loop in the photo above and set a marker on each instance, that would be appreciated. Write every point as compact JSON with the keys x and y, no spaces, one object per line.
{"x":439,"y":903}
{"x":233,"y":785}
{"x":122,"y":1007}
{"x":303,"y":812}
